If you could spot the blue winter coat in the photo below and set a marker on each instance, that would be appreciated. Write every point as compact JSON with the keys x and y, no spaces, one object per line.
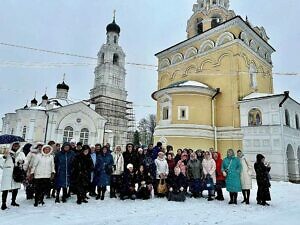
{"x":63,"y":167}
{"x":103,"y":169}
{"x":233,"y":170}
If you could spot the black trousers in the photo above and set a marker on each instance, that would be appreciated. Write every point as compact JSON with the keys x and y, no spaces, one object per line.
{"x":13,"y":198}
{"x":41,"y":188}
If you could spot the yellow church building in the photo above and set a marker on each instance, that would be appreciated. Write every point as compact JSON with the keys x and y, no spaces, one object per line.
{"x":202,"y":79}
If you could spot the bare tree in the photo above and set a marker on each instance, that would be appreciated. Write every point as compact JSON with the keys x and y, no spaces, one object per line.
{"x":146,"y":127}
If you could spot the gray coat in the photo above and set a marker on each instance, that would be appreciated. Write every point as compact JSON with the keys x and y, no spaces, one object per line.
{"x":195,"y":169}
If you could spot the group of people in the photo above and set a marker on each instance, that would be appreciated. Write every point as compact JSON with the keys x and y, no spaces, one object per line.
{"x":58,"y":171}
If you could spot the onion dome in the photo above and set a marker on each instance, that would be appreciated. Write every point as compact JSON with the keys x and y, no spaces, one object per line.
{"x":44,"y":97}
{"x":34,"y":102}
{"x":62,"y":86}
{"x":113,"y":27}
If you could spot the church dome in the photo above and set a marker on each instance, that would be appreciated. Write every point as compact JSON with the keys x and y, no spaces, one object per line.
{"x":113,"y":27}
{"x":34,"y":101}
{"x":44,"y":97}
{"x":63,"y":86}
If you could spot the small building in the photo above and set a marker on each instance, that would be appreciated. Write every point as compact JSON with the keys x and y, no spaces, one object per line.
{"x":270,"y":125}
{"x":58,"y":119}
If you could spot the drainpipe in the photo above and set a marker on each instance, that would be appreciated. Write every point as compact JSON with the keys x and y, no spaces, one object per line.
{"x":46,"y":129}
{"x":213,"y":117}
{"x":286,"y":96}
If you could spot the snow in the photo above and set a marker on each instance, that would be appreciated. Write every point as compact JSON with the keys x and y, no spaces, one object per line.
{"x":258,"y":95}
{"x":284,"y":209}
{"x":193,"y":83}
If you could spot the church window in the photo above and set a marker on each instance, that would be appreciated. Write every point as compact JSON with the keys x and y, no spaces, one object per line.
{"x":214,"y":2}
{"x":84,"y":136}
{"x":182,"y":113}
{"x":287,"y":118}
{"x":24,"y":132}
{"x":253,"y":76}
{"x":68,"y":134}
{"x":200,"y":28}
{"x":165,"y":113}
{"x":102,"y":58}
{"x":116,"y":59}
{"x":297,"y":122}
{"x":12,"y":131}
{"x":216,"y":20}
{"x":254,"y":117}
{"x":115,"y":39}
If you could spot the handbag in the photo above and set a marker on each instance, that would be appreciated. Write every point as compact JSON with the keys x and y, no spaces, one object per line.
{"x":19,"y":174}
{"x":209,"y":183}
{"x":162,"y":187}
{"x":226,"y":170}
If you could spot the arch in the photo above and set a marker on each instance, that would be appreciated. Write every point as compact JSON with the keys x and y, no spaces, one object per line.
{"x":177,"y":58}
{"x":189,"y":70}
{"x":225,"y":38}
{"x":254,"y":117}
{"x":116,"y":59}
{"x":192,"y":51}
{"x":206,"y":45}
{"x":287,"y":118}
{"x":174,"y":75}
{"x":216,"y":20}
{"x":244,"y":37}
{"x":253,"y":45}
{"x":165,"y":63}
{"x":291,"y":163}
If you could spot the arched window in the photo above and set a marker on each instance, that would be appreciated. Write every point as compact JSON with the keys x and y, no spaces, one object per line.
{"x":116,"y":59}
{"x":24,"y":132}
{"x":254,"y":117}
{"x":68,"y":134}
{"x":297,"y":123}
{"x":199,"y":26}
{"x":115,"y":39}
{"x":102,"y":58}
{"x":84,"y":136}
{"x":215,"y":21}
{"x":287,"y":118}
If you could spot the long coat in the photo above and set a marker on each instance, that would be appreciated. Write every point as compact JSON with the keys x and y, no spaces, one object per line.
{"x":130,"y":157}
{"x":8,"y":182}
{"x":63,"y":166}
{"x":209,"y":167}
{"x":104,"y":163}
{"x":219,"y":174}
{"x":233,"y":167}
{"x":118,"y":163}
{"x":246,"y":180}
{"x":43,"y":165}
{"x":263,"y":181}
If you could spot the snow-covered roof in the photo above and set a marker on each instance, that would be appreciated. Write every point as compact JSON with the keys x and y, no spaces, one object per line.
{"x":258,"y":95}
{"x":189,"y":83}
{"x":60,"y":102}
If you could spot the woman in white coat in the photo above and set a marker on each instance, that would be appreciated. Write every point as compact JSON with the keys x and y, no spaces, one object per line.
{"x":12,"y":158}
{"x":246,"y":180}
{"x":209,"y":169}
{"x":42,"y":171}
{"x":118,"y":169}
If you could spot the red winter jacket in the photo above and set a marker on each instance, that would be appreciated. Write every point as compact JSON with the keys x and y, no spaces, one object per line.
{"x":219,"y":173}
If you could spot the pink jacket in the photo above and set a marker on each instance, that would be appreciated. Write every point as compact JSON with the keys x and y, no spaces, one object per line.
{"x":209,"y":167}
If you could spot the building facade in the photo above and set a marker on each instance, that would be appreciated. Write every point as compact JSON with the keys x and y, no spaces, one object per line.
{"x":58,"y":119}
{"x":109,"y":94}
{"x":202,"y":79}
{"x":270,"y":125}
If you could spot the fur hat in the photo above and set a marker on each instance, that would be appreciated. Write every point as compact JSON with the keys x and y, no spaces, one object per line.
{"x":129,"y":166}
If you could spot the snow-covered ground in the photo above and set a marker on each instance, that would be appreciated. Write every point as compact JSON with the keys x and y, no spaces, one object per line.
{"x":284,"y":209}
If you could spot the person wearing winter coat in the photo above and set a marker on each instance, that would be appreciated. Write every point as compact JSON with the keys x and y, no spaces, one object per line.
{"x":209,"y":171}
{"x":182,"y":163}
{"x":162,"y":169}
{"x":103,"y":171}
{"x":128,"y":184}
{"x":178,"y":155}
{"x":13,"y":157}
{"x":171,"y":162}
{"x":130,"y":157}
{"x":246,"y":179}
{"x":144,"y":181}
{"x":29,"y":183}
{"x":156,"y":150}
{"x":220,"y":179}
{"x":149,"y":164}
{"x":231,"y":169}
{"x":118,"y":169}
{"x":93,"y":157}
{"x":195,"y":175}
{"x":63,"y":167}
{"x":262,"y":170}
{"x":177,"y":185}
{"x":42,"y":171}
{"x":82,"y":166}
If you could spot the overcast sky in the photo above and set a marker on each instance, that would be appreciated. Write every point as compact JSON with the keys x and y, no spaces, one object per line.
{"x":147,"y":27}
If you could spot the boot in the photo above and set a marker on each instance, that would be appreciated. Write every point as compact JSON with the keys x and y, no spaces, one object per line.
{"x":244,"y":195}
{"x":248,"y":197}
{"x":79,"y":199}
{"x":99,"y":193}
{"x":220,"y":196}
{"x":65,"y":195}
{"x":103,"y":193}
{"x":53,"y":193}
{"x":14,"y":197}
{"x":231,"y":198}
{"x":235,"y":198}
{"x":112,"y":193}
{"x":4,"y":198}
